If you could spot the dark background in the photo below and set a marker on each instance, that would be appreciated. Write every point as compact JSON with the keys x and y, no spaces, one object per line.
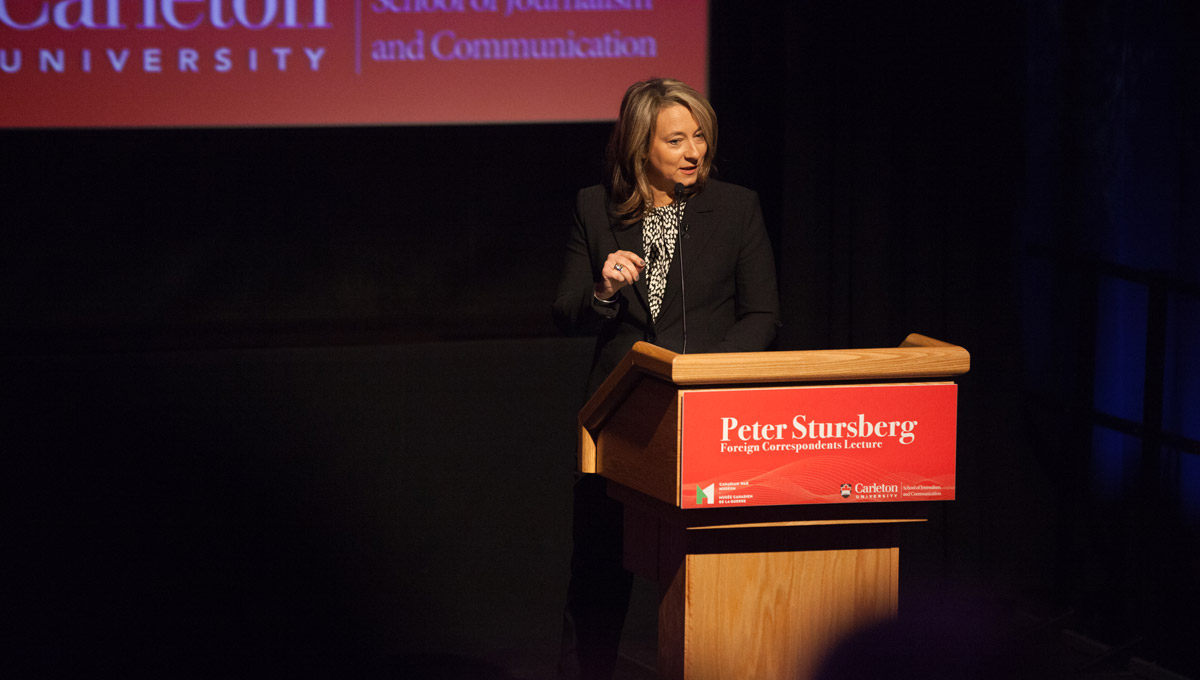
{"x":289,"y":401}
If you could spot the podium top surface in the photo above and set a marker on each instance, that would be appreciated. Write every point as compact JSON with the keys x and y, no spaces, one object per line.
{"x":917,"y":358}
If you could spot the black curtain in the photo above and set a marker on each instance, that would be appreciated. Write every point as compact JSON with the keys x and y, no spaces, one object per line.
{"x":1020,"y":179}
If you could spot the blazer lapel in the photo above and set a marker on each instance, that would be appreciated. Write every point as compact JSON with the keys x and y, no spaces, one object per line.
{"x":630,"y":238}
{"x":694,"y":232}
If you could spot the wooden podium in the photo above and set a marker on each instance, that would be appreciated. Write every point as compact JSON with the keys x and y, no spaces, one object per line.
{"x":749,"y":592}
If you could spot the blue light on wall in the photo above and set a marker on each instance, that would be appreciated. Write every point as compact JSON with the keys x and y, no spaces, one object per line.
{"x":1120,"y":369}
{"x":1181,"y":382}
{"x":1189,"y":484}
{"x":1115,"y":457}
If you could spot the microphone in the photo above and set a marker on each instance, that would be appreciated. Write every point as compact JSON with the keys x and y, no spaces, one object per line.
{"x":679,"y":194}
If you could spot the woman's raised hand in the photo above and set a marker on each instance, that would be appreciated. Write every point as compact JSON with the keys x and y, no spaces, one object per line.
{"x":621,"y":269}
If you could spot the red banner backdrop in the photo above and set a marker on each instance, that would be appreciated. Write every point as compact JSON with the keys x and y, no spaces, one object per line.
{"x":830,"y":444}
{"x":114,"y":63}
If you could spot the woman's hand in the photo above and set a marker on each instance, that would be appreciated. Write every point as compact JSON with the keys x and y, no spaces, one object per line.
{"x":621,"y":269}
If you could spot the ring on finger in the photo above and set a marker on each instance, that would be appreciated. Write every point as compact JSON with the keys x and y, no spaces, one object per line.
{"x":617,"y":267}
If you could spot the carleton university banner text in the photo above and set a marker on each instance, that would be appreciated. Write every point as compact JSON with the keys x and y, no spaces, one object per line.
{"x":73,"y":63}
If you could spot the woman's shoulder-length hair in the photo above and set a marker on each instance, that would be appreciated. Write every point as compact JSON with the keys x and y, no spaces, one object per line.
{"x":629,"y":145}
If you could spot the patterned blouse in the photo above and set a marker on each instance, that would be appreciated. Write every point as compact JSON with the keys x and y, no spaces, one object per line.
{"x":660,"y":231}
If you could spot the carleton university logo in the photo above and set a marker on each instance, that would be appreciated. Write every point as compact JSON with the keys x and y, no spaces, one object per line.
{"x":845,"y":491}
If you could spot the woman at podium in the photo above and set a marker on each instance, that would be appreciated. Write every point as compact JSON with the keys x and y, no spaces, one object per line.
{"x":664,"y":253}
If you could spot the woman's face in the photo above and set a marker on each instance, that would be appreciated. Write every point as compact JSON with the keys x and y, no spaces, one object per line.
{"x":676,"y":149}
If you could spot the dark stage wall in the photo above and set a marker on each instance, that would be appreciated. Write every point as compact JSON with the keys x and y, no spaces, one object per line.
{"x":284,"y":511}
{"x":291,"y":398}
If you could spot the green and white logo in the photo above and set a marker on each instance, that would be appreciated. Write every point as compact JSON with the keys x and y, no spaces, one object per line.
{"x":704,"y":495}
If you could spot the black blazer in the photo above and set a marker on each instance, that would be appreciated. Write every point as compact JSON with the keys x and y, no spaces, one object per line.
{"x":728,"y":272}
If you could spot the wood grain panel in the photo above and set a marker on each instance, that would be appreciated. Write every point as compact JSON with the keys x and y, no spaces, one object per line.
{"x":893,"y":363}
{"x":639,"y":445}
{"x":775,"y":615}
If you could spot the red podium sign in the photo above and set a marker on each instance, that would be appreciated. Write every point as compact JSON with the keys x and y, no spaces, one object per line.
{"x":826,"y":444}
